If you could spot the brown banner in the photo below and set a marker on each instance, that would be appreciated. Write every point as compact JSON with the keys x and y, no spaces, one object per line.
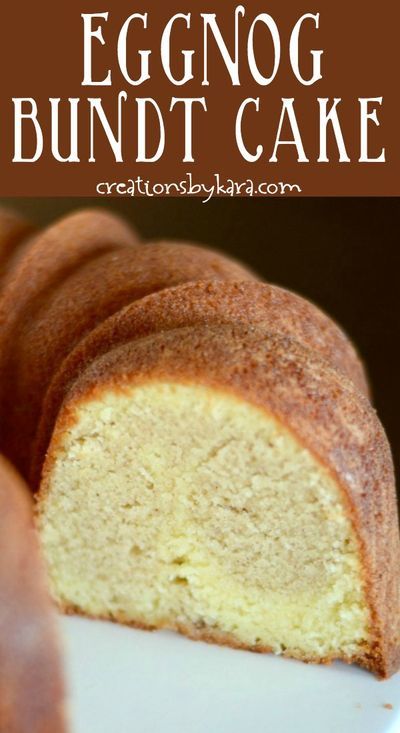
{"x":276,"y":118}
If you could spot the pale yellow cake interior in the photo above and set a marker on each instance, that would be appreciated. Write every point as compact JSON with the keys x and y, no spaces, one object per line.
{"x":186,"y":507}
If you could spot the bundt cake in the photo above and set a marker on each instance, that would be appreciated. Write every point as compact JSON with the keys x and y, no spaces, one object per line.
{"x":229,"y":483}
{"x":51,"y":259}
{"x":31,"y":687}
{"x":202,"y":446}
{"x":193,"y":303}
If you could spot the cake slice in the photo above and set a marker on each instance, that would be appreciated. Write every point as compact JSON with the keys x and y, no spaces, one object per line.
{"x":31,"y":686}
{"x":228,"y":483}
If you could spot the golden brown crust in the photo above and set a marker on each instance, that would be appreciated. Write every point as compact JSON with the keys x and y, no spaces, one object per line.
{"x":317,"y":403}
{"x":31,"y":687}
{"x":54,"y":255}
{"x":15,"y":233}
{"x":200,"y":303}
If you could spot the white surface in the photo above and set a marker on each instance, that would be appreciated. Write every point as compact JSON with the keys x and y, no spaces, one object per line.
{"x":127,"y":681}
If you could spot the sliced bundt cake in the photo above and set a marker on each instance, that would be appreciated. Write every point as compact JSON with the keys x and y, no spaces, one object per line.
{"x":212,"y":302}
{"x":31,"y":687}
{"x":228,"y":483}
{"x":211,"y":461}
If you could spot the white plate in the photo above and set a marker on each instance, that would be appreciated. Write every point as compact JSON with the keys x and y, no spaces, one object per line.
{"x":126,"y":681}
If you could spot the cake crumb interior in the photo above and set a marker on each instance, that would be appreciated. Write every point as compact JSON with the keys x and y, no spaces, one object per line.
{"x":183,"y":506}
